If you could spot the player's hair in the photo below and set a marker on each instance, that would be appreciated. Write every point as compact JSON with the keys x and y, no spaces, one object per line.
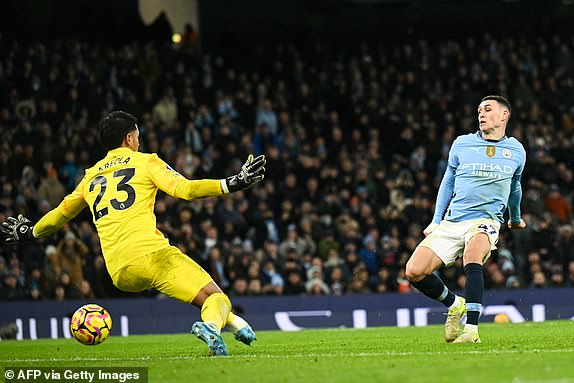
{"x":501,"y":100}
{"x":114,"y":127}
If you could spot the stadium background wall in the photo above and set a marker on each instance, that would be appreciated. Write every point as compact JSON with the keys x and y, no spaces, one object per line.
{"x":223,"y":22}
{"x":150,"y":316}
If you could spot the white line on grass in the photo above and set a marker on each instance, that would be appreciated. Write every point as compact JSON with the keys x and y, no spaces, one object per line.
{"x":309,"y":355}
{"x":565,"y":380}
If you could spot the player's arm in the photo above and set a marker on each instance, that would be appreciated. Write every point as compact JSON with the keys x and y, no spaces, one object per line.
{"x":444,"y":191}
{"x":443,"y":199}
{"x":514,"y":199}
{"x":21,"y":229}
{"x":178,"y":186}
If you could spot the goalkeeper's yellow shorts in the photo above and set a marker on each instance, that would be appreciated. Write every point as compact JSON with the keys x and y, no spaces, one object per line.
{"x":168,"y":270}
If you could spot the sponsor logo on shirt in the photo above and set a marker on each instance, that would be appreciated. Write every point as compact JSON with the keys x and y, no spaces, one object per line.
{"x":488,"y":170}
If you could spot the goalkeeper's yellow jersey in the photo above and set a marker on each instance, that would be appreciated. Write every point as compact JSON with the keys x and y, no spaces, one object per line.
{"x":120,"y":191}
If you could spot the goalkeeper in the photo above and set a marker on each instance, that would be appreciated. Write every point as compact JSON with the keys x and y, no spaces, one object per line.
{"x":120,"y":191}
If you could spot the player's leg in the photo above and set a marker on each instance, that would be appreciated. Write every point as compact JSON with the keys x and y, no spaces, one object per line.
{"x":214,"y":304}
{"x":420,"y":272}
{"x":134,"y":277}
{"x":215,"y":308}
{"x":240,"y":328}
{"x":476,"y":252}
{"x":178,"y":276}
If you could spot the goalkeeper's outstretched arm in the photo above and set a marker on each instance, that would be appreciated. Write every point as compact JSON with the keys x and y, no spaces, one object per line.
{"x":171,"y":182}
{"x":21,"y":229}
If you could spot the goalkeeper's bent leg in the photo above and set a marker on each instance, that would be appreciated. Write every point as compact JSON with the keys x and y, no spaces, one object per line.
{"x":235,"y":322}
{"x":216,"y":309}
{"x":241,"y":329}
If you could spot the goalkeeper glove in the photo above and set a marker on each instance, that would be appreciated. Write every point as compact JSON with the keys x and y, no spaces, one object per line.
{"x":18,"y":229}
{"x":252,"y":171}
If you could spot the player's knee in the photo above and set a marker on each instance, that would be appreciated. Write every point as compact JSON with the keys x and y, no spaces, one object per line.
{"x":478,"y":251}
{"x":475,"y":257}
{"x":414,"y":272}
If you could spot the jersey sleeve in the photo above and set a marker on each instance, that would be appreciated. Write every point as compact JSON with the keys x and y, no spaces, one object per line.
{"x":515,"y":197}
{"x":444,"y":194}
{"x":453,"y":160}
{"x":70,"y":207}
{"x":520,"y":168}
{"x":447,"y":185}
{"x":176,"y":185}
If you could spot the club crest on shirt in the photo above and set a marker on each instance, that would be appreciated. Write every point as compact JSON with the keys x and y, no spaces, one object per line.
{"x":506,"y":153}
{"x":490,"y":151}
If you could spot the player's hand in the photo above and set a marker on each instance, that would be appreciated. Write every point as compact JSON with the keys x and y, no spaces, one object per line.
{"x":252,"y":171}
{"x":518,"y":226}
{"x":18,"y":229}
{"x":430,"y":228}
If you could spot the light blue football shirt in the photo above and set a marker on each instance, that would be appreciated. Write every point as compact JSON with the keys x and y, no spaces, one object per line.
{"x":482,"y":178}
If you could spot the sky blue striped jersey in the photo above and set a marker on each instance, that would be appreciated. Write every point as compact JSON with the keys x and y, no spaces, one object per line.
{"x":482,"y":178}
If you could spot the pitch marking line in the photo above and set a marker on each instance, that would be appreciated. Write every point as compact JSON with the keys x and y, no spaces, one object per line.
{"x":310,"y":355}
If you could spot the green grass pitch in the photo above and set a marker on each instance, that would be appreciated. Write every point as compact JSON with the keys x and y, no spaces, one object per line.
{"x":527,"y":352}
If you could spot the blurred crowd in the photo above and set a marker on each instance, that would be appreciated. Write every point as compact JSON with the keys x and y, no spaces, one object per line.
{"x":356,"y":141}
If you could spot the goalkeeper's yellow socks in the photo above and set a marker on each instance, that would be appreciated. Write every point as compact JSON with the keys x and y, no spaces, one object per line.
{"x":216,"y":310}
{"x":235,"y":322}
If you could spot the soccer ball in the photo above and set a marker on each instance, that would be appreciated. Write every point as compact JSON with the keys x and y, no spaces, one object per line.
{"x":91,"y":324}
{"x":501,"y":318}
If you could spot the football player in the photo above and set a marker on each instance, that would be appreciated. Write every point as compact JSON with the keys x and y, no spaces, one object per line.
{"x":120,"y":191}
{"x":482,"y":179}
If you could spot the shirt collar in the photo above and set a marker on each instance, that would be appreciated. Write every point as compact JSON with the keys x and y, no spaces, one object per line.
{"x":121,"y":149}
{"x":479,"y":135}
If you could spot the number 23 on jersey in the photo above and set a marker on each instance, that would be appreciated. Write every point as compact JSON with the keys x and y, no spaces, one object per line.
{"x":124,"y":194}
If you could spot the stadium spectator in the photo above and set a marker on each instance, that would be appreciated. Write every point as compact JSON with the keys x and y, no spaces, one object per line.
{"x":59,"y":294}
{"x":356,"y":121}
{"x":12,"y":290}
{"x":36,"y":284}
{"x":254,"y":287}
{"x":50,"y":189}
{"x":293,"y":241}
{"x":277,"y":284}
{"x":85,"y":291}
{"x":294,"y":283}
{"x":70,"y":257}
{"x":265,"y":115}
{"x":65,"y":289}
{"x":51,"y":268}
{"x":369,"y":254}
{"x":337,"y":283}
{"x":100,"y":280}
{"x":558,"y":205}
{"x":315,"y":284}
{"x":239,"y":287}
{"x":358,"y":286}
{"x":556,"y":275}
{"x":217,"y":267}
{"x":538,"y":280}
